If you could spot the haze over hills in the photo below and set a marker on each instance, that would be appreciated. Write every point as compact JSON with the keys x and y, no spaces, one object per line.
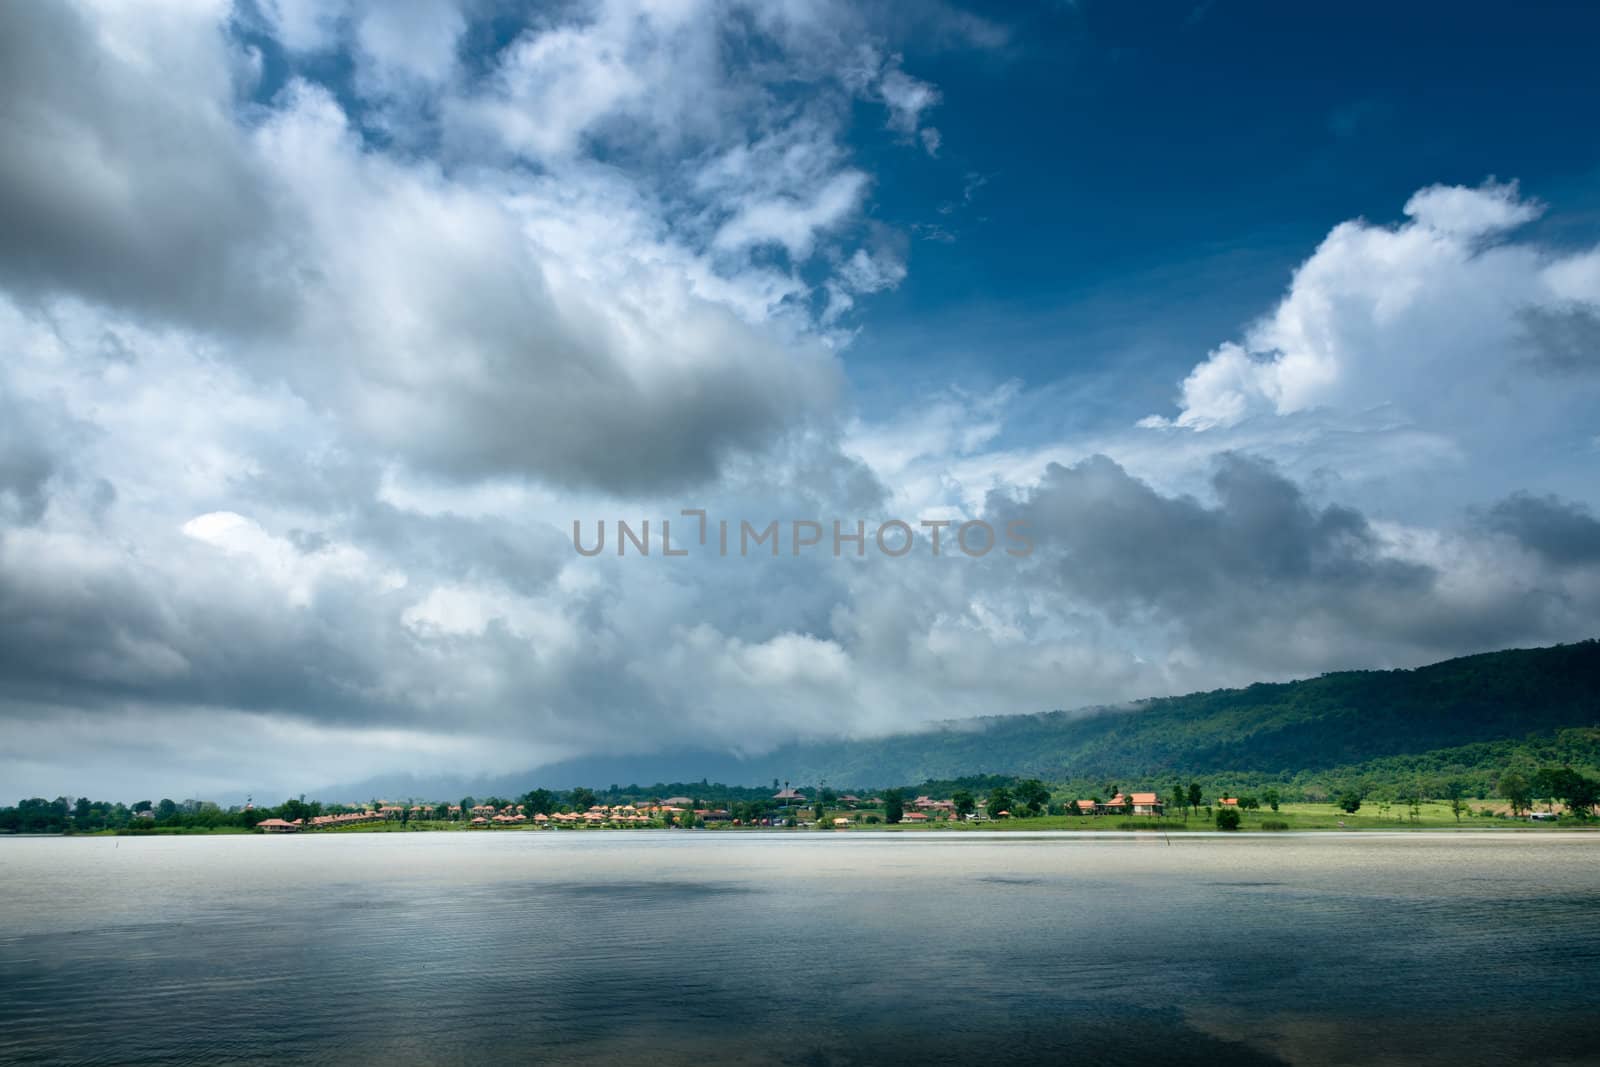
{"x":1266,"y":730}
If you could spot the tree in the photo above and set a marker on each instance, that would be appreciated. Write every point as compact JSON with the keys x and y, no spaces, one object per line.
{"x":1272,"y":798}
{"x":1350,"y":803}
{"x":1456,"y":792}
{"x":1250,"y":803}
{"x":1228,"y":818}
{"x":466,"y":809}
{"x":1179,"y":800}
{"x":166,"y":809}
{"x":583,"y":798}
{"x":1515,"y":789}
{"x":1578,"y":793}
{"x":965,"y":802}
{"x":1195,"y":796}
{"x":538,"y":802}
{"x":894,"y":806}
{"x":818,"y":810}
{"x":999,"y":800}
{"x":1032,"y":795}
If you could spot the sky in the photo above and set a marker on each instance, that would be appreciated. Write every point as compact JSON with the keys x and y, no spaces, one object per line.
{"x":1274,"y":330}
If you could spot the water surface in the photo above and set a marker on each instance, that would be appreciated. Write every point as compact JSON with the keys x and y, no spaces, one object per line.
{"x":802,"y":948}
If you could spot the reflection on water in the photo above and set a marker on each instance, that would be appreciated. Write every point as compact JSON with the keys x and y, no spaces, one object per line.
{"x":799,"y":948}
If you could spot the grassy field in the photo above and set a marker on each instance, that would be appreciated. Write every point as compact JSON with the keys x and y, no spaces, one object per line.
{"x":1431,"y":815}
{"x":167,"y":831}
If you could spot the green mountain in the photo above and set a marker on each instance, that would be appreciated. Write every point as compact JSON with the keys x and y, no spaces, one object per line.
{"x":1277,"y":731}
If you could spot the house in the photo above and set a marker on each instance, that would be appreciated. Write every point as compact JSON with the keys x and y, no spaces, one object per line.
{"x":841,"y":822}
{"x":914,"y":816}
{"x":1228,"y":802}
{"x":678,"y":802}
{"x":1146,"y":804}
{"x":789,"y":796}
{"x":278,"y":826}
{"x":1141,"y":803}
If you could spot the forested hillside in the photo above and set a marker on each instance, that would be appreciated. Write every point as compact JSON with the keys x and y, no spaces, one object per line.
{"x":1281,"y":731}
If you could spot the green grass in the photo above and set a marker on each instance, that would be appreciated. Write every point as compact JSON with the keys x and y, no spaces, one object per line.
{"x":1432,"y":815}
{"x":166,"y":831}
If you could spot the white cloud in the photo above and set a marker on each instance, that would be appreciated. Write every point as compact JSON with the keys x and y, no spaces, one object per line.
{"x":1424,"y":317}
{"x":294,"y":421}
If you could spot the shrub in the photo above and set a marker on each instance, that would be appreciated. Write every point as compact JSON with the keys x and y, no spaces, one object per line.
{"x":1274,"y":824}
{"x":1228,"y":818}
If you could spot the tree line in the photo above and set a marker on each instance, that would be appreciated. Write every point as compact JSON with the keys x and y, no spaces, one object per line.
{"x":1521,"y":786}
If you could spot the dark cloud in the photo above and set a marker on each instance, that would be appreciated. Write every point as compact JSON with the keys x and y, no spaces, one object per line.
{"x":1263,"y":577}
{"x":127,"y":188}
{"x":1563,"y":532}
{"x":1565,"y":339}
{"x":1117,"y":541}
{"x":416,"y":307}
{"x":25,"y":471}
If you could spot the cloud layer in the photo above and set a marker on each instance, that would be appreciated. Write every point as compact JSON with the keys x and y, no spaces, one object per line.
{"x":322,"y":323}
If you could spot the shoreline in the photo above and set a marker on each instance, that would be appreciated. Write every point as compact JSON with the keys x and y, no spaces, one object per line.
{"x":1178,"y":830}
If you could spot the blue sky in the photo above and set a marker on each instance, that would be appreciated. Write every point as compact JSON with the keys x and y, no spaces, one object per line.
{"x":1153,"y":172}
{"x":324,"y":322}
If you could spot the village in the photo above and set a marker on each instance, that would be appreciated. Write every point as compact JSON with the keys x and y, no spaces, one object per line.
{"x":788,"y":808}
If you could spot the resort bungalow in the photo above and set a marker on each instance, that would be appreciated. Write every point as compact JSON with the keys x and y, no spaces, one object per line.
{"x":789,"y":796}
{"x":1142,"y":803}
{"x":1146,"y":804}
{"x":914,"y":816}
{"x":278,"y":826}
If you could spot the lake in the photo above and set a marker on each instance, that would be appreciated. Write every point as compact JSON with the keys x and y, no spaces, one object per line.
{"x":801,"y":948}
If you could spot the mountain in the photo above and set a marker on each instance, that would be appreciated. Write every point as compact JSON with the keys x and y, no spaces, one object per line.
{"x":1278,"y":730}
